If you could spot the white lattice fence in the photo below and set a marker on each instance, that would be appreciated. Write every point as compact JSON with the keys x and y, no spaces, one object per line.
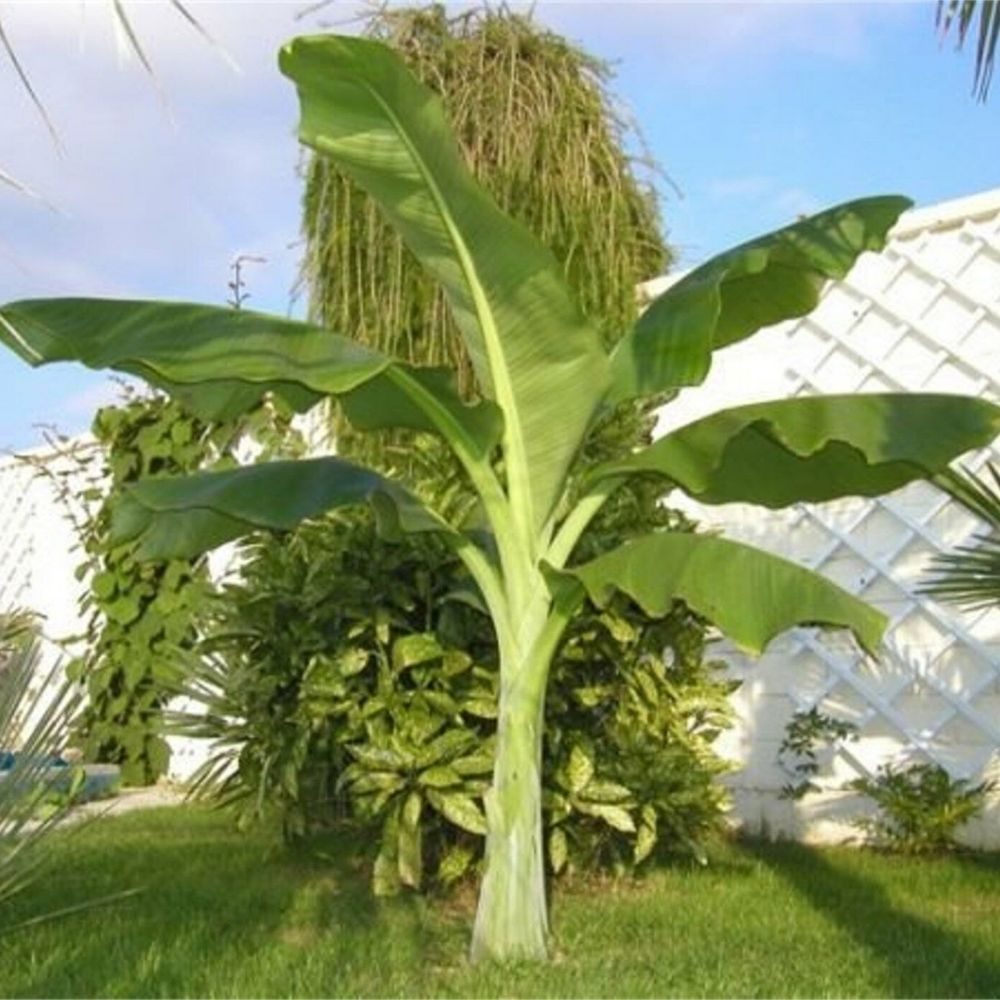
{"x":922,"y":316}
{"x":37,"y":559}
{"x":17,"y":536}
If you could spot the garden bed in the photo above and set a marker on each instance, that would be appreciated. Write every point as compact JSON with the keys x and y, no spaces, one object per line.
{"x":223,"y":914}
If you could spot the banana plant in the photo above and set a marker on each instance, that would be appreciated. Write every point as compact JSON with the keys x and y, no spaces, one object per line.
{"x":544,"y":381}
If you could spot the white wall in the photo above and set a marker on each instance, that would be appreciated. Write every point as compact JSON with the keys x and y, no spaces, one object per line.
{"x":924,"y":315}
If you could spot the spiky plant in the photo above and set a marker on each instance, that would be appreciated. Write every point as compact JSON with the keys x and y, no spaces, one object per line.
{"x":36,"y":722}
{"x":970,"y":576}
{"x":960,"y":15}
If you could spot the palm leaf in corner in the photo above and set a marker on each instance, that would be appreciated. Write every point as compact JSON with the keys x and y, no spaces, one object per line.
{"x":970,"y":576}
{"x":959,"y":14}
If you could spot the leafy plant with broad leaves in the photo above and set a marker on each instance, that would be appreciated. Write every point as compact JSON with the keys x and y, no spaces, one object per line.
{"x":544,"y":380}
{"x":350,"y":675}
{"x":632,"y":712}
{"x":137,"y":613}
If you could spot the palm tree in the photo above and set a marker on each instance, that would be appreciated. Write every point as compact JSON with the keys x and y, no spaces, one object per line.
{"x":129,"y":41}
{"x":970,"y":576}
{"x":959,"y":14}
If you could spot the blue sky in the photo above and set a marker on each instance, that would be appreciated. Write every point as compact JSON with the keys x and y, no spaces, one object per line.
{"x":758,"y":112}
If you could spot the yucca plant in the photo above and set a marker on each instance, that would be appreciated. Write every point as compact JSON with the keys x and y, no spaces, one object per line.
{"x":970,"y":576}
{"x":37,"y":726}
{"x":544,"y":380}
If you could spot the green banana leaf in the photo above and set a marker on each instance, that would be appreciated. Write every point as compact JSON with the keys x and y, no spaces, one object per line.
{"x":180,"y":517}
{"x":751,"y":595}
{"x":816,"y":448}
{"x":221,"y":361}
{"x":775,"y":277}
{"x":531,"y":348}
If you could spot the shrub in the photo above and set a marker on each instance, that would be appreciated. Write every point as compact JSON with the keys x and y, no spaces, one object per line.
{"x":921,"y":806}
{"x":353,"y":678}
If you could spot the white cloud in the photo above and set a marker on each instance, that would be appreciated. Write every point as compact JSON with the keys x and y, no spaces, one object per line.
{"x":709,"y":40}
{"x":727,"y":188}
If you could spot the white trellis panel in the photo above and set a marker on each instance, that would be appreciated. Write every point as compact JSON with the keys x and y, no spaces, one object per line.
{"x":924,"y":315}
{"x":38,"y":554}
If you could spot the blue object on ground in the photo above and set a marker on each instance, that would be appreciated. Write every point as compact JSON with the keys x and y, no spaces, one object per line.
{"x":8,"y":759}
{"x":99,"y":780}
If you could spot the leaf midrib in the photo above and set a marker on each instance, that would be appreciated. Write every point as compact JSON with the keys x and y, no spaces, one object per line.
{"x":515,"y":450}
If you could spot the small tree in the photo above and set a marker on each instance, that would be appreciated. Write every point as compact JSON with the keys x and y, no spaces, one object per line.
{"x":544,"y":380}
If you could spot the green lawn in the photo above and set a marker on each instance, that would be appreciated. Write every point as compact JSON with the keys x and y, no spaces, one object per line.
{"x":226,"y":915}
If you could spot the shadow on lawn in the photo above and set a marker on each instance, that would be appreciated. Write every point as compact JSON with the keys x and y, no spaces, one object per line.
{"x":920,"y":957}
{"x":209,"y":901}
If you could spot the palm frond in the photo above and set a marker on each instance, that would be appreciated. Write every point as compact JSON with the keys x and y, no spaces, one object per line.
{"x":223,"y":52}
{"x":29,"y":87}
{"x":960,"y":14}
{"x":970,"y":576}
{"x":129,"y":42}
{"x":38,"y":723}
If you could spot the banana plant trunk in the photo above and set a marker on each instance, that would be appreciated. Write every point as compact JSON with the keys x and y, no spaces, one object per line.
{"x":512,"y":919}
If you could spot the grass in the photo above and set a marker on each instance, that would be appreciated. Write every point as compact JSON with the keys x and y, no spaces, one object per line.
{"x":226,"y":915}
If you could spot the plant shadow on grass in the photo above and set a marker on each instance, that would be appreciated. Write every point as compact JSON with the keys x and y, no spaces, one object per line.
{"x":207,"y":903}
{"x":921,"y":958}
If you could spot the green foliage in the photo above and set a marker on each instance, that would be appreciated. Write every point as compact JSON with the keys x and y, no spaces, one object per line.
{"x":546,"y":380}
{"x":333,"y":651}
{"x":632,"y":711}
{"x":356,"y":678}
{"x":970,"y":575}
{"x":921,"y":807}
{"x":630,"y":760}
{"x":798,"y":754}
{"x":36,"y":722}
{"x":139,"y":613}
